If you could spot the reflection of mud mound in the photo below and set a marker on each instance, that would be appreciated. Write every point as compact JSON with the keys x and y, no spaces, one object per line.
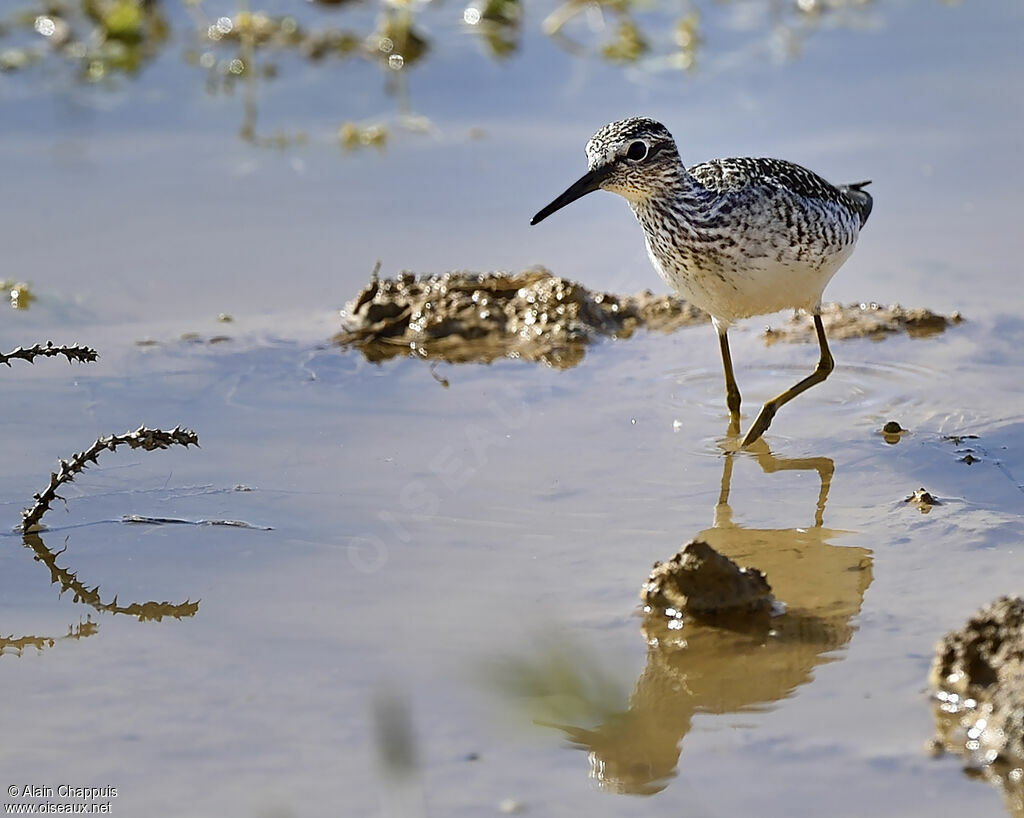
{"x":977,"y":677}
{"x":863,"y":321}
{"x":464,"y":317}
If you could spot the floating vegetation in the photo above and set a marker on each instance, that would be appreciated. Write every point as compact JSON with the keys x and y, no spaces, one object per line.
{"x":141,"y":438}
{"x":892,"y":433}
{"x":396,"y":42}
{"x":498,"y":24}
{"x":83,"y":594}
{"x":99,"y":38}
{"x":193,"y":338}
{"x":956,"y":440}
{"x":20,"y":294}
{"x":923,"y":500}
{"x":238,"y":46}
{"x":146,"y":520}
{"x":352,"y":137}
{"x":969,"y":454}
{"x":72,"y":352}
{"x":628,"y":45}
{"x":16,"y":644}
{"x":686,"y":37}
{"x":248,"y":33}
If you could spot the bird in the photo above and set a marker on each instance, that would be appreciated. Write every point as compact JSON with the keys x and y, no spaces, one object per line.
{"x":735,"y":237}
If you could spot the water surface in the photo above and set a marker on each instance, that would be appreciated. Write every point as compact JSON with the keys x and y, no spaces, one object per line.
{"x":422,"y":533}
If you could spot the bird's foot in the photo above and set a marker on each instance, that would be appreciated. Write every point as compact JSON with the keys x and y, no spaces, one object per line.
{"x":760,"y":425}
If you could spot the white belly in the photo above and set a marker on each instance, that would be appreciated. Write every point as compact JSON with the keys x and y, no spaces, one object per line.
{"x":753,"y":286}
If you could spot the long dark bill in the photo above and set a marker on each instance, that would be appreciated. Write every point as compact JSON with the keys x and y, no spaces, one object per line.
{"x":588,"y":183}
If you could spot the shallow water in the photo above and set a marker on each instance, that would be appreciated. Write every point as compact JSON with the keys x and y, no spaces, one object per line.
{"x":422,"y":535}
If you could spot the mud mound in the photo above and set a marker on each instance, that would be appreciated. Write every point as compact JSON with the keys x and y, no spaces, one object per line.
{"x":462,"y":317}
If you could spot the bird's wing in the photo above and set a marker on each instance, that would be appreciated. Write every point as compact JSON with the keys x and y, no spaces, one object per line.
{"x":733,"y":175}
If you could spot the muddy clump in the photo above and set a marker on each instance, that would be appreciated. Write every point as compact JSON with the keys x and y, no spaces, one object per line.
{"x":923,"y":500}
{"x":708,"y":586}
{"x":977,"y":680}
{"x":463,"y":317}
{"x":872,"y":321}
{"x":892,"y":433}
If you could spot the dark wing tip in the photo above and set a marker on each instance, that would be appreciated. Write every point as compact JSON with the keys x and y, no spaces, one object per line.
{"x":862,"y":200}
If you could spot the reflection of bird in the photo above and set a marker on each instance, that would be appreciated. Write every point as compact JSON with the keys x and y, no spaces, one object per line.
{"x":736,"y":237}
{"x":734,"y":665}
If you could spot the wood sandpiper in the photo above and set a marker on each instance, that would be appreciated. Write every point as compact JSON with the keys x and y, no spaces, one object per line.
{"x":735,"y":237}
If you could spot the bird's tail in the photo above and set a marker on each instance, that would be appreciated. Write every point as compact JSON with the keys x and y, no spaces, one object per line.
{"x":861,"y":199}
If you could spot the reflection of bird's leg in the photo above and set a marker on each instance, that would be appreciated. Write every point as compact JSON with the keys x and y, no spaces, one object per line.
{"x":732,"y":392}
{"x":824,"y":466}
{"x":723,"y":513}
{"x":821,"y":371}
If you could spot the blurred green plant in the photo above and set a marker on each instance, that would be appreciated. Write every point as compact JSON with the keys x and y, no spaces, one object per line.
{"x":19,"y":292}
{"x":628,"y":45}
{"x":497,"y":23}
{"x":234,"y":44}
{"x":256,"y":39}
{"x":141,"y":438}
{"x":555,"y":679}
{"x":99,"y":38}
{"x":352,"y":137}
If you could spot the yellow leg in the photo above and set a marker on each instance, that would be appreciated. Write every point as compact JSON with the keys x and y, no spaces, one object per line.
{"x":821,"y":371}
{"x":732,"y":392}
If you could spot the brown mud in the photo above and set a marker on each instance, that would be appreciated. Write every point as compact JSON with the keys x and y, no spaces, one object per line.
{"x":977,"y":680}
{"x":864,"y":321}
{"x":700,"y":582}
{"x":462,"y":317}
{"x":923,"y":500}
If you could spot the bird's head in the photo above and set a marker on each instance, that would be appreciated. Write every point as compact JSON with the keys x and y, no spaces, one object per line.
{"x":634,"y":157}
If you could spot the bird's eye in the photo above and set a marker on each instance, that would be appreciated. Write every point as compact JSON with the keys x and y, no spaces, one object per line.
{"x":637,"y":151}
